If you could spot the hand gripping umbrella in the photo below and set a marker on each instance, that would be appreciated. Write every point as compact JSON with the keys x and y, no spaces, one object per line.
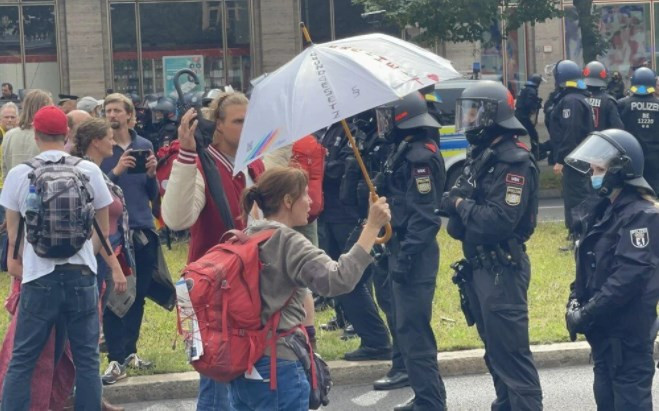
{"x":204,"y":137}
{"x":330,"y":82}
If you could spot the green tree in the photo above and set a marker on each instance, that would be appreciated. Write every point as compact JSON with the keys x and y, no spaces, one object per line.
{"x":462,"y":20}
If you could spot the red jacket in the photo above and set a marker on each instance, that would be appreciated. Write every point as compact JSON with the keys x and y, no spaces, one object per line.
{"x":209,"y":228}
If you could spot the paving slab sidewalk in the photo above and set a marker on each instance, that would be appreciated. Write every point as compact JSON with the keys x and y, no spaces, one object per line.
{"x":185,"y":385}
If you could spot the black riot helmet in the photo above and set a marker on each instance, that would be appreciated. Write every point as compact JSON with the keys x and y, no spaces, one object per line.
{"x":616,"y":151}
{"x":404,"y":117}
{"x":484,"y":111}
{"x":595,"y":74}
{"x":164,"y":109}
{"x":643,"y":81}
{"x":567,"y":74}
{"x":534,"y":80}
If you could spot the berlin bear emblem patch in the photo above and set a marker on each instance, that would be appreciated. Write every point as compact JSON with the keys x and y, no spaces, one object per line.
{"x":640,"y":237}
{"x":513,"y":196}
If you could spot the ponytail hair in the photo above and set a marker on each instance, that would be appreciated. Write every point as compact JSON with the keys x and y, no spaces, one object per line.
{"x":271,"y":189}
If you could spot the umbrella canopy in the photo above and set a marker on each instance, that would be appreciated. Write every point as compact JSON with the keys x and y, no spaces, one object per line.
{"x":332,"y":81}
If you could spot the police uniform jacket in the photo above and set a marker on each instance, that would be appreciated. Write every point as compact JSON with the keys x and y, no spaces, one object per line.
{"x":504,"y":204}
{"x":640,"y":116}
{"x":571,"y":121}
{"x":414,"y":190}
{"x":617,"y":267}
{"x":605,"y":110}
{"x":528,"y":102}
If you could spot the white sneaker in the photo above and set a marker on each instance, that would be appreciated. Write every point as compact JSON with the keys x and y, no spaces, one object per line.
{"x":113,"y":373}
{"x":136,"y":362}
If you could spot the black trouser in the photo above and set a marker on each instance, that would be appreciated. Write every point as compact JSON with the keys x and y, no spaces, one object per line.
{"x":358,"y":305}
{"x":412,"y":314}
{"x":623,"y":374}
{"x":500,"y":309}
{"x":576,"y":188}
{"x":382,"y":284}
{"x":121,"y":334}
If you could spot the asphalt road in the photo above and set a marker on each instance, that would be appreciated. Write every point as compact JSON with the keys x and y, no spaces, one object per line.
{"x":551,"y":210}
{"x":568,"y":388}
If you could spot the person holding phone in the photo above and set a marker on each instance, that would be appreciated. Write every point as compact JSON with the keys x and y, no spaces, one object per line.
{"x":132,"y":167}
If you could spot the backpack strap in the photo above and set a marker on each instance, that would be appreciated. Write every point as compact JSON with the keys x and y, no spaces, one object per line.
{"x":101,"y":237}
{"x":19,"y":237}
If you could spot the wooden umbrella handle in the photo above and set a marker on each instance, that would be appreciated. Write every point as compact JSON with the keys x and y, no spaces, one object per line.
{"x":374,"y":196}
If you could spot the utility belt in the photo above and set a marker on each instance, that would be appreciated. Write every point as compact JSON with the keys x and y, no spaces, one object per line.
{"x":509,"y":253}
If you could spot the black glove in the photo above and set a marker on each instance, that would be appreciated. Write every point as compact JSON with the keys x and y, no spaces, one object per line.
{"x":578,"y":320}
{"x":401,"y":269}
{"x":462,"y":187}
{"x":572,"y":304}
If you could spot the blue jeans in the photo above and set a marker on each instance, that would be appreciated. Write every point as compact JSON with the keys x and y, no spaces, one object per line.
{"x":72,"y":297}
{"x":213,"y":395}
{"x":292,"y":393}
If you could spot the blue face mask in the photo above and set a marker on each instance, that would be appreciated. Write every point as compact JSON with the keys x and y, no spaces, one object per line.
{"x":596,"y":181}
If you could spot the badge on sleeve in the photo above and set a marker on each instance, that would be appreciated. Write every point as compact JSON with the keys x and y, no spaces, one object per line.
{"x":515,"y":179}
{"x":640,"y":237}
{"x":422,"y":178}
{"x":513,"y":195}
{"x":566,"y":113}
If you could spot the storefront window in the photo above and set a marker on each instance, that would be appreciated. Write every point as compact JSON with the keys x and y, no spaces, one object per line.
{"x":516,"y":60}
{"x":11,"y":69}
{"x":316,"y":15}
{"x":491,"y":53}
{"x":238,"y":54}
{"x":179,"y":35}
{"x":41,"y":67}
{"x":627,"y":30}
{"x":124,"y":49}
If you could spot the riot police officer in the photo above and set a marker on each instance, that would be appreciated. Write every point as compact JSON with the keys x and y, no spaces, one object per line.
{"x":640,"y":116}
{"x":614,"y":296}
{"x":616,"y":86}
{"x":571,"y":121}
{"x":164,"y":121}
{"x":605,"y":109}
{"x":414,"y":181}
{"x":492,"y":209}
{"x":526,"y":107}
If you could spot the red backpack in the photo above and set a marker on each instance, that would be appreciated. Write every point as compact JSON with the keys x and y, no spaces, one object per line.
{"x":309,"y":155}
{"x":224,"y":288}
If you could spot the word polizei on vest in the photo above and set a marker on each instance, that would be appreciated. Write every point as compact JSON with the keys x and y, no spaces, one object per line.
{"x":644,"y":106}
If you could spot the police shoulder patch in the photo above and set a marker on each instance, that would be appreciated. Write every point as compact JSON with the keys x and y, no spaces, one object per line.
{"x":640,"y":237}
{"x":566,"y":113}
{"x":422,"y":177}
{"x":513,"y":195}
{"x":515,"y":179}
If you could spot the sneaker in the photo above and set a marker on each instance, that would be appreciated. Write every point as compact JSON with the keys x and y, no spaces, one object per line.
{"x":136,"y":362}
{"x":113,"y":373}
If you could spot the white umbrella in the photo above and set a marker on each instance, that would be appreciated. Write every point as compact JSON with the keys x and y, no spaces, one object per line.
{"x":332,"y":81}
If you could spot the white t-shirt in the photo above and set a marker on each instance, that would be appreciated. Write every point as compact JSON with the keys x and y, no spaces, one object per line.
{"x":13,"y":196}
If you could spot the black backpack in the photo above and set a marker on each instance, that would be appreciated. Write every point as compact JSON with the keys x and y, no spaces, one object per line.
{"x":60,"y":214}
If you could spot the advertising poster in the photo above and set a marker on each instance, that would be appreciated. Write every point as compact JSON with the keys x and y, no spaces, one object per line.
{"x":172,"y":64}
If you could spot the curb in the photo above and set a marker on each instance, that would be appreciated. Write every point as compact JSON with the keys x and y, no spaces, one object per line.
{"x":454,"y":363}
{"x":549,"y":194}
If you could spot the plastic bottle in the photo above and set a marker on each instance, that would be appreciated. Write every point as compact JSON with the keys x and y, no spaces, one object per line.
{"x":32,"y":200}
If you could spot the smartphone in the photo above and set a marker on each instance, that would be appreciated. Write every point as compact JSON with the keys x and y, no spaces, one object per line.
{"x":140,"y":161}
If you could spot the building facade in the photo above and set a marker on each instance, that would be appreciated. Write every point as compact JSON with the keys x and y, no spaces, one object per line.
{"x":86,"y":47}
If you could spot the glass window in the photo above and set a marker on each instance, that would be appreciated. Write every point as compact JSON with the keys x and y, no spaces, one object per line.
{"x":316,"y":15}
{"x":177,"y":35}
{"x":348,"y":21}
{"x":11,"y":69}
{"x":491,"y":53}
{"x":124,"y":49}
{"x":41,"y":66}
{"x":238,"y":39}
{"x":516,"y":60}
{"x":627,"y":30}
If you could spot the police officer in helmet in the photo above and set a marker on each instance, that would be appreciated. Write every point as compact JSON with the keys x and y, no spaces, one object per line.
{"x":605,"y":109}
{"x":640,"y":116}
{"x":164,"y":121}
{"x":571,"y":121}
{"x":414,"y":181}
{"x":492,"y":209}
{"x":613,"y":300}
{"x":526,"y":108}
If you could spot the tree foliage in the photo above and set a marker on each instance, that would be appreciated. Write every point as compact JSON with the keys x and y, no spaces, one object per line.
{"x":592,"y":43}
{"x":463,"y":20}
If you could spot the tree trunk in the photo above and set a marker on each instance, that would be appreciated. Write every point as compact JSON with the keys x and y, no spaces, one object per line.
{"x":589,"y":37}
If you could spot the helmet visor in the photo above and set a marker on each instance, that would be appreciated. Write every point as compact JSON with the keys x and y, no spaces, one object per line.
{"x":472,"y":114}
{"x":594,"y":151}
{"x":384,"y":117}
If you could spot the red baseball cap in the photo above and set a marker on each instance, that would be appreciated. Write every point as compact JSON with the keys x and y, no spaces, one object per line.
{"x":51,"y":120}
